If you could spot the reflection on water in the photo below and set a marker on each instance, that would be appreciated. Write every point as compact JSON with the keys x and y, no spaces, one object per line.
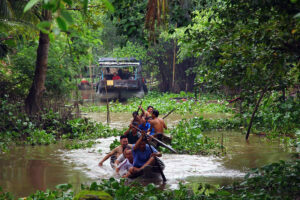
{"x":27,"y":169}
{"x":243,"y":155}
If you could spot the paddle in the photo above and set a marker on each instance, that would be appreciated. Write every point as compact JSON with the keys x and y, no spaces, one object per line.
{"x":139,"y":106}
{"x":169,"y":113}
{"x":160,"y":170}
{"x":157,"y":140}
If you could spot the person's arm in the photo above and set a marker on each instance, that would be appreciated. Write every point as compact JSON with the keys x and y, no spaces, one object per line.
{"x":143,"y":111}
{"x":137,"y":144}
{"x":120,"y":159}
{"x":155,"y":152}
{"x":107,"y":156}
{"x":128,"y":130}
{"x":118,"y":167}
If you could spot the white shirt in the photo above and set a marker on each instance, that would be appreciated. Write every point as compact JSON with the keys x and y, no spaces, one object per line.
{"x":124,"y":167}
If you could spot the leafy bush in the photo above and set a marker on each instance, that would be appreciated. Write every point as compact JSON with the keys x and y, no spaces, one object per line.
{"x":277,"y":116}
{"x":17,"y":127}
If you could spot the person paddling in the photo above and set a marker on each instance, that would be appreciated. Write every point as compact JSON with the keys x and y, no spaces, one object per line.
{"x":132,"y":134}
{"x":142,"y":156}
{"x":136,"y":118}
{"x":148,"y":112}
{"x":158,"y":124}
{"x":115,"y":152}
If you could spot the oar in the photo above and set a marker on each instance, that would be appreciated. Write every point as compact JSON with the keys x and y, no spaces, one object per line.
{"x":169,"y":113}
{"x":139,"y":106}
{"x":160,"y":170}
{"x":157,"y":140}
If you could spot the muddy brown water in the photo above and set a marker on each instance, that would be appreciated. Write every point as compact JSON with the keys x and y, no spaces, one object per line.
{"x":29,"y":168}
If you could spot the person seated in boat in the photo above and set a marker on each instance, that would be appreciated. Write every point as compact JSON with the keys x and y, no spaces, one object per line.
{"x":127,"y":163}
{"x":116,"y":76}
{"x":145,"y":125}
{"x":136,"y":118}
{"x":158,"y":124}
{"x":121,"y":157}
{"x":148,"y":112}
{"x":142,"y":156}
{"x":132,"y":133}
{"x":115,"y":152}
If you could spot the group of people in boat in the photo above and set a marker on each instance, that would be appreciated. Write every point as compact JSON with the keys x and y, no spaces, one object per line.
{"x":136,"y":150}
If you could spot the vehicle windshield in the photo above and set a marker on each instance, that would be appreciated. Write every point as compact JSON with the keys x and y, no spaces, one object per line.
{"x":118,"y":73}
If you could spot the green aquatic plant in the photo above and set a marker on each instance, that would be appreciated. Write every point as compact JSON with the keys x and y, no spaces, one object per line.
{"x":187,"y":136}
{"x":114,"y":144}
{"x":40,"y":137}
{"x":165,"y":102}
{"x":80,"y":145}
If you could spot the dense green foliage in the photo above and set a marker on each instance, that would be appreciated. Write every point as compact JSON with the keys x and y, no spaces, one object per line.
{"x":276,"y":116}
{"x":273,"y":181}
{"x":17,"y":127}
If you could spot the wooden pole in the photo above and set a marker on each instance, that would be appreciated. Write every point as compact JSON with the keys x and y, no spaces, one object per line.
{"x":107,"y":107}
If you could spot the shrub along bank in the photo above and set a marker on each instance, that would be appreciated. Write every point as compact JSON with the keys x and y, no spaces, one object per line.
{"x":17,"y":128}
{"x":274,"y":181}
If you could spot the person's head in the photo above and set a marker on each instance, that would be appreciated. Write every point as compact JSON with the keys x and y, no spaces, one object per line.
{"x":142,"y":146}
{"x":155,"y":114}
{"x":150,"y":109}
{"x":134,"y":114}
{"x":123,"y":141}
{"x":128,"y":153}
{"x":148,"y":118}
{"x":115,"y":74}
{"x":133,"y":129}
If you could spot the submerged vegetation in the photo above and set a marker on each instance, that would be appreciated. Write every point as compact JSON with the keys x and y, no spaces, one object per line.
{"x":187,"y":136}
{"x":273,"y":181}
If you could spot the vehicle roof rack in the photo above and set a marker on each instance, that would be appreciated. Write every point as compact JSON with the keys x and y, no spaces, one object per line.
{"x":121,"y":62}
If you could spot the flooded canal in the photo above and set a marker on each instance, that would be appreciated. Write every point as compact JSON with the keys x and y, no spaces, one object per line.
{"x":27,"y":169}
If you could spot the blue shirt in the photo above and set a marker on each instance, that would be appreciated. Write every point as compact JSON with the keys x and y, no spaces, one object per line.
{"x":141,"y":157}
{"x":146,"y":128}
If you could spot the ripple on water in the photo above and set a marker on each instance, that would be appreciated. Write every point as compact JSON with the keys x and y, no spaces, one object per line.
{"x":178,"y":167}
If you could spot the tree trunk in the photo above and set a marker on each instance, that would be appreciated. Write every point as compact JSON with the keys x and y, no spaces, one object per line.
{"x":254,"y":111}
{"x":34,"y":99}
